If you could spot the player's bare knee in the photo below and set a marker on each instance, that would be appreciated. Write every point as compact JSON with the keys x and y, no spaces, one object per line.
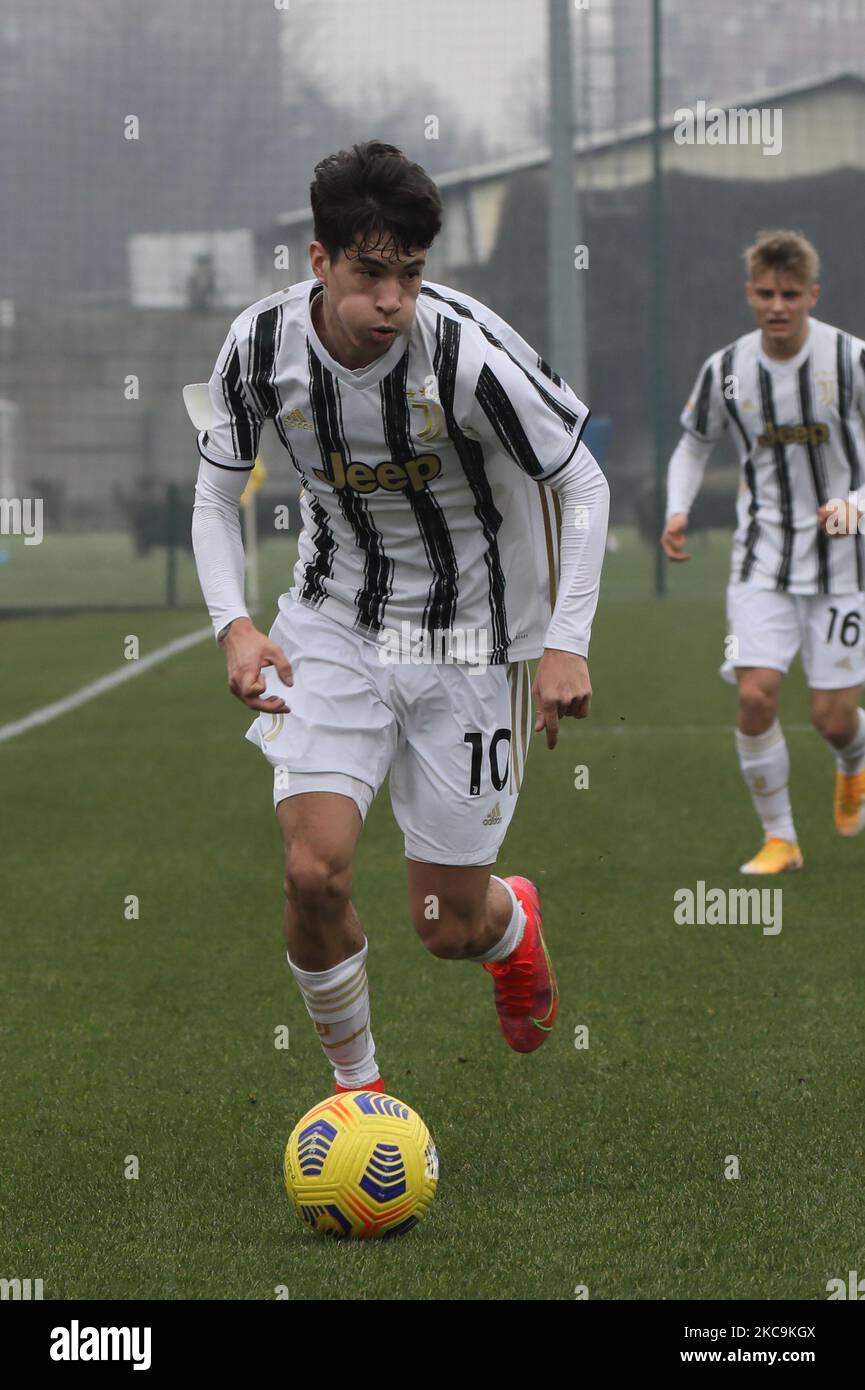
{"x":316,"y":882}
{"x":444,"y":944}
{"x":820,"y":720}
{"x":758,"y":709}
{"x":452,"y":936}
{"x":832,"y":722}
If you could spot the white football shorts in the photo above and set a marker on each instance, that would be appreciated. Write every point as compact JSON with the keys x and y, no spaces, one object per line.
{"x":767,"y":628}
{"x":453,"y":740}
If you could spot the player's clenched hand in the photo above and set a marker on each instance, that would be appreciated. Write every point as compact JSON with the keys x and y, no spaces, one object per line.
{"x":561,"y":687}
{"x":247,"y":650}
{"x":673,"y":537}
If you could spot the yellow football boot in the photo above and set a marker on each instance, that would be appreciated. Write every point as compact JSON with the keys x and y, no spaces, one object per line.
{"x":776,"y":857}
{"x":849,"y":802}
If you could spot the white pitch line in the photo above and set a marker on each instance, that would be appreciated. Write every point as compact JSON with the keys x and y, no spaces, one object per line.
{"x":95,"y":688}
{"x":580,"y":729}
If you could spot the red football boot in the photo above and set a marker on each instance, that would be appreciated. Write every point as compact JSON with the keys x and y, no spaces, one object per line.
{"x":527,"y":997}
{"x":377,"y":1085}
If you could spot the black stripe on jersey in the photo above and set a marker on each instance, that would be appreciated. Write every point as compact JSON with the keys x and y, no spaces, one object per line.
{"x":556,"y":471}
{"x":567,"y":417}
{"x":312,"y":590}
{"x":727,"y":362}
{"x":753,"y":533}
{"x":371,"y":598}
{"x":440,"y":608}
{"x":279,"y":426}
{"x":265,"y":332}
{"x":844,"y":360}
{"x":496,"y":405}
{"x":779,"y":453}
{"x":323,"y":540}
{"x":548,"y":371}
{"x":229,"y":467}
{"x":703,"y":401}
{"x":471,"y":457}
{"x":818,"y":473}
{"x":245,"y":427}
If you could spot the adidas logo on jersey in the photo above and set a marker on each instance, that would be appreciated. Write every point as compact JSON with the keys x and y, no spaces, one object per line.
{"x":794,"y":434}
{"x":494,"y":817}
{"x":296,"y":420}
{"x":389,"y":475}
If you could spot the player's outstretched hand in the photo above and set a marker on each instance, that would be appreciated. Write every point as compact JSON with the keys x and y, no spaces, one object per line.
{"x":561,"y":687}
{"x":673,"y":537}
{"x":247,"y":651}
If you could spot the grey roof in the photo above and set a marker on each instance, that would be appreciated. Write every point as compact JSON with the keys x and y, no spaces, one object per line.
{"x":635,"y":132}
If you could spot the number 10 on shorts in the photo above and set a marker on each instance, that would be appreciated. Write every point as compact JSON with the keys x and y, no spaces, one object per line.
{"x":498,"y":779}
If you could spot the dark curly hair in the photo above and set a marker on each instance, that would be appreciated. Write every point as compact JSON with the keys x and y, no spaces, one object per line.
{"x":375,"y":192}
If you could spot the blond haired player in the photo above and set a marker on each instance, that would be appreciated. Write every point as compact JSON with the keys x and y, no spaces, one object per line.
{"x":792,"y":392}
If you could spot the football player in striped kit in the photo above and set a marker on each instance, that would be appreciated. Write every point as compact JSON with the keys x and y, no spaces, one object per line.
{"x":453,"y":528}
{"x":792,"y":392}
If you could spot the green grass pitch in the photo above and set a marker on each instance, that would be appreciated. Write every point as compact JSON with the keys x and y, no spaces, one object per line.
{"x":601,"y":1167}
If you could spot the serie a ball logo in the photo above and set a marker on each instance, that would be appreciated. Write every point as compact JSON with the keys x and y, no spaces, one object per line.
{"x":361,"y":1164}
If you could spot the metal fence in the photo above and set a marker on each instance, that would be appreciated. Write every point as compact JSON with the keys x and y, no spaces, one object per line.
{"x":156,"y":162}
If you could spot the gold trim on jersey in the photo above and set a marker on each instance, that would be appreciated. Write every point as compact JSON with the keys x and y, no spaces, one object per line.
{"x":518,"y":680}
{"x":296,"y":420}
{"x":827,"y":387}
{"x":551,"y":525}
{"x":276,"y":727}
{"x":434,"y":420}
{"x":557,"y":508}
{"x":513,"y":676}
{"x":810,"y":434}
{"x":527,"y":717}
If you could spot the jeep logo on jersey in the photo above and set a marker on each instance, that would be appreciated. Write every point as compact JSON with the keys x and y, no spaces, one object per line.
{"x":393,"y":477}
{"x":794,"y":434}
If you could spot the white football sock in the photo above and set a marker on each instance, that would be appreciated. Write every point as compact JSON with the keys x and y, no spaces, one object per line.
{"x":765,"y":765}
{"x":513,"y":933}
{"x":851,"y":758}
{"x":337,"y":1001}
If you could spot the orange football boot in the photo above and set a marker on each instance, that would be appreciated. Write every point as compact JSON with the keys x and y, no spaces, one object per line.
{"x":849,"y":802}
{"x":774,"y":857}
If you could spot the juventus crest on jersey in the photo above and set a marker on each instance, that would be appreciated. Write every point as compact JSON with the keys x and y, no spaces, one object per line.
{"x":798,"y":428}
{"x":423,"y":497}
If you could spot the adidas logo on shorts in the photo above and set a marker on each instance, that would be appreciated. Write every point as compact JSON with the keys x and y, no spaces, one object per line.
{"x":494,"y":817}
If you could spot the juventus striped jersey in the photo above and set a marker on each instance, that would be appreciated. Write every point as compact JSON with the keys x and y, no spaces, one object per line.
{"x":423,"y":497}
{"x":798,"y":428}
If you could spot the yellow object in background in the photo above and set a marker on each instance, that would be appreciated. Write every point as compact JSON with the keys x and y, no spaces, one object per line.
{"x":256,"y":478}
